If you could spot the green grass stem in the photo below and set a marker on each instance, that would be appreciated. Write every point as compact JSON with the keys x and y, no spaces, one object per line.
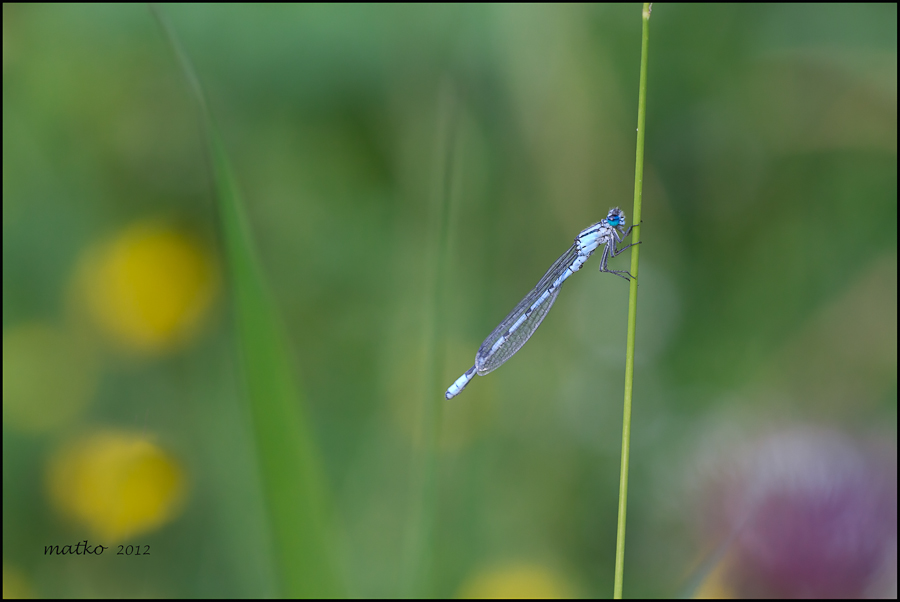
{"x":291,"y":476}
{"x":632,"y":309}
{"x":420,"y":536}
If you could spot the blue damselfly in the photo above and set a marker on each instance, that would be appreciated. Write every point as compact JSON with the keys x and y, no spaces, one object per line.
{"x":515,"y":330}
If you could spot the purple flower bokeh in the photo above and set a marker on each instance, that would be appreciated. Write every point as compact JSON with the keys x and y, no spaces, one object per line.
{"x":808,"y":514}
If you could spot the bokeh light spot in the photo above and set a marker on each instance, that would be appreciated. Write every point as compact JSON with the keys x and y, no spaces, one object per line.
{"x":15,"y":585}
{"x":49,"y":377}
{"x":516,"y":581}
{"x":150,"y":287}
{"x":116,"y":484}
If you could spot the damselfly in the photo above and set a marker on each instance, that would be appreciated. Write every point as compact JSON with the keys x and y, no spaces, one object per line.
{"x":520,"y":324}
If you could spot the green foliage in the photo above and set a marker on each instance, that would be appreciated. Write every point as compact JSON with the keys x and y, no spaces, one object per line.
{"x":767,"y":282}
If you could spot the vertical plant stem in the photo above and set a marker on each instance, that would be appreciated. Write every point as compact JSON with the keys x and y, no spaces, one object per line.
{"x":420,"y":543}
{"x":293,"y":482}
{"x":632,"y":309}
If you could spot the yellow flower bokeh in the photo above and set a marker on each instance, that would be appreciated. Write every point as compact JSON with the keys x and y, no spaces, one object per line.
{"x":715,"y":585}
{"x":49,"y":376}
{"x":517,"y":581}
{"x":116,"y":484}
{"x":15,"y":585}
{"x":149,"y":288}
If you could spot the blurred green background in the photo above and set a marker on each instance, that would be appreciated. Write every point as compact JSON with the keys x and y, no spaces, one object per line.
{"x":768,"y":296}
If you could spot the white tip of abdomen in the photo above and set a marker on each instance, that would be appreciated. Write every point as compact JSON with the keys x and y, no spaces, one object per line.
{"x":460,"y":384}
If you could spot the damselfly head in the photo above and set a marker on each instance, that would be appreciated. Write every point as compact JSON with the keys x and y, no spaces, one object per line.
{"x":615,"y":217}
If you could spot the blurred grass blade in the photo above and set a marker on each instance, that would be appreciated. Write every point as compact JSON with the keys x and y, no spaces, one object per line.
{"x":632,"y":308}
{"x":420,"y":541}
{"x":292,"y":479}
